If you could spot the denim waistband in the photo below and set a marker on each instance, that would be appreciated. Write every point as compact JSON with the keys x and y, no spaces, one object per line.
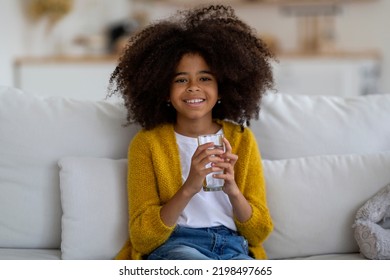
{"x":221,"y":230}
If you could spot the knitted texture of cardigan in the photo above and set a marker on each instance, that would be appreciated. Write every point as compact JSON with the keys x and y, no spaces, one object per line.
{"x":154,"y":176}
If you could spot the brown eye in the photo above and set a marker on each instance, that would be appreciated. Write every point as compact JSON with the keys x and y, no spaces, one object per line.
{"x":179,"y":81}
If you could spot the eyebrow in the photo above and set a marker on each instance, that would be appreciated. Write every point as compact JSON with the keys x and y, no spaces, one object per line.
{"x":200,"y":72}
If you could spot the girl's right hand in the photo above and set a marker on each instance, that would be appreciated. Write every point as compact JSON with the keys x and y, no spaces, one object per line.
{"x":198,"y":171}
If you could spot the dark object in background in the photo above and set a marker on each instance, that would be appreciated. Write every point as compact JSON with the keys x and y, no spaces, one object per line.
{"x":118,"y":31}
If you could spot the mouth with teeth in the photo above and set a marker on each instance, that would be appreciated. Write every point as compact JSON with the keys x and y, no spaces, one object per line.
{"x":194,"y":101}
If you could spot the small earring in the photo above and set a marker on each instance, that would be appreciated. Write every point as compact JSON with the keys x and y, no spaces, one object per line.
{"x":219,"y":101}
{"x":168,"y":103}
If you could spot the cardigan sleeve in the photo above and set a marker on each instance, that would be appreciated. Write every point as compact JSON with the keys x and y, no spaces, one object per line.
{"x":147,"y":230}
{"x":250,"y":179}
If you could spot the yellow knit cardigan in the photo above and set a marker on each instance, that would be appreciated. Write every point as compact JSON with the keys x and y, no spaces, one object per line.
{"x":154,"y":176}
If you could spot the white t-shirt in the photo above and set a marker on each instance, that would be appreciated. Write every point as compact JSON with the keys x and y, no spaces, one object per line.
{"x":205,"y":209}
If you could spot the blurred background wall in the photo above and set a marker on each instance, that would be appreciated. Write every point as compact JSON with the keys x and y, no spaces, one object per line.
{"x":98,"y":28}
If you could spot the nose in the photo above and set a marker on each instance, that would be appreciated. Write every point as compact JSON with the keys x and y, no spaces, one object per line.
{"x":193,"y":87}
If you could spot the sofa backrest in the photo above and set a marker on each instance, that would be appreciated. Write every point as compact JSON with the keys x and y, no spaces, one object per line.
{"x":35,"y":133}
{"x":292,"y":126}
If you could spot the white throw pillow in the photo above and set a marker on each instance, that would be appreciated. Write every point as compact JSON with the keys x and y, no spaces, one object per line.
{"x":313,"y":201}
{"x":292,"y":126}
{"x":94,"y":205}
{"x":36,"y":132}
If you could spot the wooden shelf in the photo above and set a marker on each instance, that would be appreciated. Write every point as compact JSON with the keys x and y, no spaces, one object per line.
{"x":64,"y":59}
{"x":375,"y":55}
{"x":311,"y":2}
{"x":31,"y":60}
{"x":260,"y":2}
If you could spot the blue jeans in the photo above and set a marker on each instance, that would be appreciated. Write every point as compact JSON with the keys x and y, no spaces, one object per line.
{"x":215,"y":243}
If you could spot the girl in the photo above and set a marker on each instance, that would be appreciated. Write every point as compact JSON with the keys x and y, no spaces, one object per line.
{"x":202,"y":71}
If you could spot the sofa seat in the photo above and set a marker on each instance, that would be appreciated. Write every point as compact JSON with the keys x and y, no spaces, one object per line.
{"x":29,"y":254}
{"x":41,"y":254}
{"x":346,"y":257}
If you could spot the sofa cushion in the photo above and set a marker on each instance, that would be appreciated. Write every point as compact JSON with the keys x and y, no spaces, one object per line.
{"x":94,"y":204}
{"x":313,"y":201}
{"x":291,"y":126}
{"x":35,"y":133}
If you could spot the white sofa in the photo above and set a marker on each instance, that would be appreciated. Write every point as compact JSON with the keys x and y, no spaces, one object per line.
{"x":63,"y":173}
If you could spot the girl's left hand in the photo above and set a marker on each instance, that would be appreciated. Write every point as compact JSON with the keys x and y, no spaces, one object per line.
{"x":230,"y":187}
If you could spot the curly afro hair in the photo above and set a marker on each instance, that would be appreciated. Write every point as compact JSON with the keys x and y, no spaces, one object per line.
{"x":239,"y":59}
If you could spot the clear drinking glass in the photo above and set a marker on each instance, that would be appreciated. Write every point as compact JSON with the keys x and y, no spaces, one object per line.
{"x":210,"y":183}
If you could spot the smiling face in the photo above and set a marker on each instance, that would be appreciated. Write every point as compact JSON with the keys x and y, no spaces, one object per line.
{"x":194,"y":90}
